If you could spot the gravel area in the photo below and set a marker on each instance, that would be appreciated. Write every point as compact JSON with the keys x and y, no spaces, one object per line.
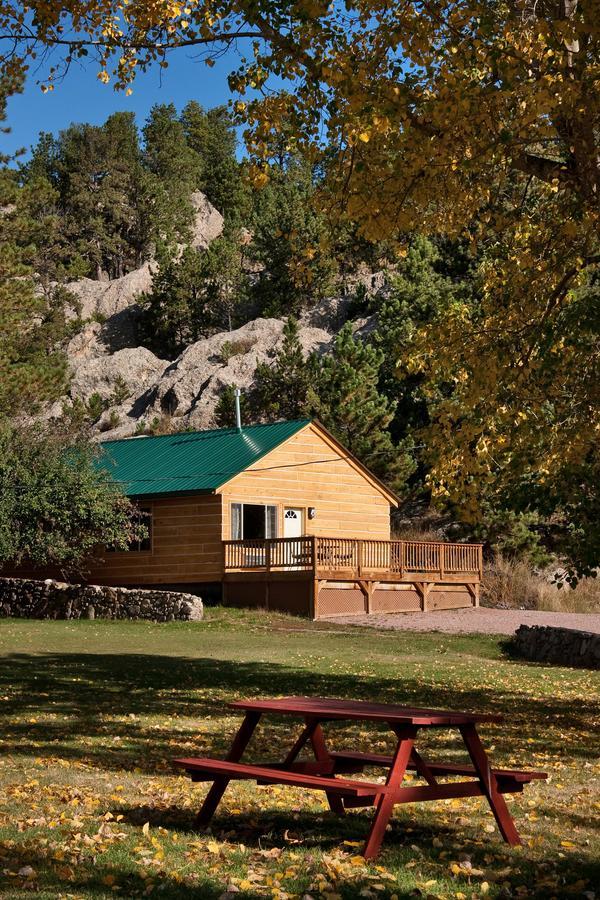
{"x":473,"y":621}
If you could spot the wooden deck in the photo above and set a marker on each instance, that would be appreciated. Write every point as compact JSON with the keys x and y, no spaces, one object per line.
{"x":352,"y":576}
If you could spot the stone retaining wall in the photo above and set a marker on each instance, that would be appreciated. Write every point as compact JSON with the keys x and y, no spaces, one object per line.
{"x":29,"y":599}
{"x":565,"y":646}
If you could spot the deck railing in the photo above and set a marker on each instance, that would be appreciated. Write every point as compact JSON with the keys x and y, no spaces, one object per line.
{"x":350,"y":556}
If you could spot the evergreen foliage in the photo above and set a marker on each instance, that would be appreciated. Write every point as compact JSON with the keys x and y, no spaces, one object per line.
{"x":345,"y":397}
{"x":341,"y":390}
{"x":192,"y":297}
{"x":425,"y":285}
{"x":283,"y":388}
{"x":32,"y":370}
{"x":225,"y":408}
{"x":210,"y":133}
{"x":290,"y":245}
{"x":98,"y":174}
{"x":175,"y":172}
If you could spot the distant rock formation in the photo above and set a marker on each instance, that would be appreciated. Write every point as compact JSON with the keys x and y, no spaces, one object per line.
{"x":137,"y":387}
{"x":103,"y":299}
{"x":187,"y":389}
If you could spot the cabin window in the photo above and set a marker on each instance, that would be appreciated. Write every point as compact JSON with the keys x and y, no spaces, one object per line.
{"x":142,"y":514}
{"x":251,"y":521}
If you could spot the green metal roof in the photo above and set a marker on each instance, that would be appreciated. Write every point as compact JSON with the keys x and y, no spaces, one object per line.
{"x":190,"y":461}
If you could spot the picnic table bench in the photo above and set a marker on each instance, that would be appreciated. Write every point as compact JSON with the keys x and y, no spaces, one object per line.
{"x":327,"y":771}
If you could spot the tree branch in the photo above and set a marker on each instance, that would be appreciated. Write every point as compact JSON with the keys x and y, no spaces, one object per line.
{"x":75,"y":43}
{"x":548,"y":170}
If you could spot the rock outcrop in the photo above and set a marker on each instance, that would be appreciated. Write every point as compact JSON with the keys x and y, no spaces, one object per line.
{"x":104,"y":299}
{"x":208,"y":222}
{"x":137,"y":387}
{"x":188,"y":388}
{"x":133,"y":370}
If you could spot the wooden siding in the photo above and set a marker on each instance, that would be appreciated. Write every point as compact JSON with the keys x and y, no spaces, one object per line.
{"x":309,"y":471}
{"x":186,"y":546}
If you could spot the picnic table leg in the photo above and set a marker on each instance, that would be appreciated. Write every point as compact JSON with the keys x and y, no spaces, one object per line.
{"x":305,"y":736}
{"x":385,"y":803}
{"x":422,"y":768}
{"x":489,"y":784}
{"x":240,"y":742}
{"x":317,"y":739}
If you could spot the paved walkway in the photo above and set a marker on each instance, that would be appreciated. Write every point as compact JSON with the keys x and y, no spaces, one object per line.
{"x":473,"y":621}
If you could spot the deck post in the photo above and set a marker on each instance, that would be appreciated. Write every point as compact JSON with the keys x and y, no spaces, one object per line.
{"x":442,"y":561}
{"x":268,"y":555}
{"x":224,"y":555}
{"x":423,"y":588}
{"x":359,"y":557}
{"x":313,"y":549}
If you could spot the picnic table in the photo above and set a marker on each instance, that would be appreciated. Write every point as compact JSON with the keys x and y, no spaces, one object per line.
{"x":328,"y":770}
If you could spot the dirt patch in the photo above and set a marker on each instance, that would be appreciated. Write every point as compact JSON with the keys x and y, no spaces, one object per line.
{"x":473,"y":621}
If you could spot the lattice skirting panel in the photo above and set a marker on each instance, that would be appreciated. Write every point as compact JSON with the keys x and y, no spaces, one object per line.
{"x":339,"y":599}
{"x":449,"y":596}
{"x":395,"y":598}
{"x":288,"y":596}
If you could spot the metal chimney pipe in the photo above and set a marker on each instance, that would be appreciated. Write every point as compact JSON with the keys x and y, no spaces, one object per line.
{"x":238,"y":411}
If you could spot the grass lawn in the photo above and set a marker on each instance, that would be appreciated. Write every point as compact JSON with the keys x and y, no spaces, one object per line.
{"x":93,"y":711}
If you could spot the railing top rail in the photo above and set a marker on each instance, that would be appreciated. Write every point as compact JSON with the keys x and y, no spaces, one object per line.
{"x":325,"y":537}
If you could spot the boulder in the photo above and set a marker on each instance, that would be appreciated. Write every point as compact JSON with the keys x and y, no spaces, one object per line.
{"x":135,"y":367}
{"x":208,"y":223}
{"x":103,"y":299}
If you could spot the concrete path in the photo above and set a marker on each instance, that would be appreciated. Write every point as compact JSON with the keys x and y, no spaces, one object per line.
{"x":473,"y":621}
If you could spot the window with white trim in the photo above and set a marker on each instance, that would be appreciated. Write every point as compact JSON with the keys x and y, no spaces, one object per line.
{"x":253,"y":521}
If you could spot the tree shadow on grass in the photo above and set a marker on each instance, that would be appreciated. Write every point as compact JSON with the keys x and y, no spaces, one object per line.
{"x":82,"y":702}
{"x":96,"y":707}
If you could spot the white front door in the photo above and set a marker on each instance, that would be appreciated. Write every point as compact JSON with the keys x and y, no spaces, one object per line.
{"x":292,"y":523}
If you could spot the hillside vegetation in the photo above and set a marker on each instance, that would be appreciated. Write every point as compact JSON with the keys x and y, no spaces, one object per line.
{"x":147,"y":275}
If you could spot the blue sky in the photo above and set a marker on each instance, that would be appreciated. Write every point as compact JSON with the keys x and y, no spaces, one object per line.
{"x":80,"y":97}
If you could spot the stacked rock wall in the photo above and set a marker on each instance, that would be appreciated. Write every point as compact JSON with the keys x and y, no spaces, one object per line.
{"x":564,"y":646}
{"x":29,"y":599}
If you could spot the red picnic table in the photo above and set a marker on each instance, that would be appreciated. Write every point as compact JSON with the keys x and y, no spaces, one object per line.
{"x":321,"y":773}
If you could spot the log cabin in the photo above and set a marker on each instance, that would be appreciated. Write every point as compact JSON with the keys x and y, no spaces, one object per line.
{"x":278,"y":516}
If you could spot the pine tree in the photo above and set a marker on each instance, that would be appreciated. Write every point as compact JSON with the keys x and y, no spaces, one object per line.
{"x":31,"y":369}
{"x":191,"y":297}
{"x":427,"y":282}
{"x":290,"y":245}
{"x":175,"y":172}
{"x":225,"y":408}
{"x":282,"y":389}
{"x":346,"y":399}
{"x":210,"y":133}
{"x":99,"y":177}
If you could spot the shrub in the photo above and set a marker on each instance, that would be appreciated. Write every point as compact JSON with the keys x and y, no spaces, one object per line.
{"x":56,"y":502}
{"x":112,"y":421}
{"x":230,"y":349}
{"x":95,"y":406}
{"x":513,"y":584}
{"x":121,"y":391}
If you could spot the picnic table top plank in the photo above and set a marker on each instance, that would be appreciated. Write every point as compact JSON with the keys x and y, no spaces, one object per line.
{"x":326,"y":708}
